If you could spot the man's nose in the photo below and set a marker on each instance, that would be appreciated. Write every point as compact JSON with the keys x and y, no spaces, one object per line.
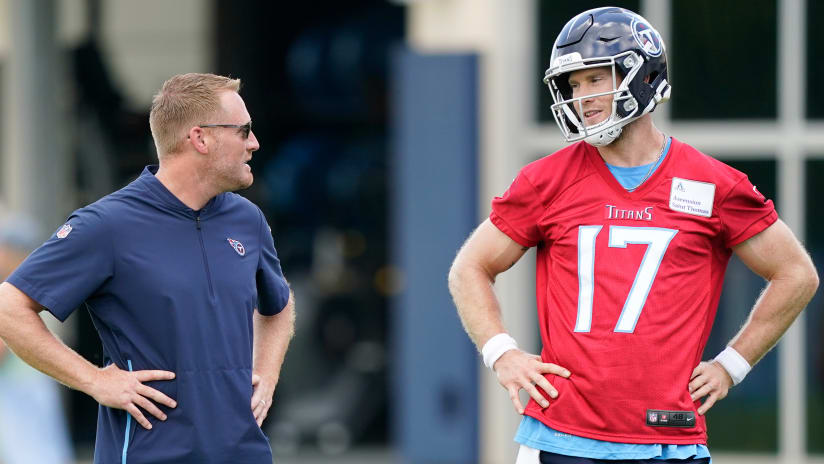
{"x":253,"y":141}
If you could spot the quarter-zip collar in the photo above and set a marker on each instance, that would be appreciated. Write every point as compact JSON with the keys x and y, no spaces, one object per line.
{"x":169,"y":200}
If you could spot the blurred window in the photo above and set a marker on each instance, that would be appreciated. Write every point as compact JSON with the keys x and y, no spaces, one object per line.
{"x":815,"y":61}
{"x":813,"y":314}
{"x":723,"y":66}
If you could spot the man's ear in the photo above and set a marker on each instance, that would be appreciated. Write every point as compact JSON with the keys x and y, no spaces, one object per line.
{"x":197,"y":138}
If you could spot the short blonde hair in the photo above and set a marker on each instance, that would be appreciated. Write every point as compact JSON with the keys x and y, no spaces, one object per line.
{"x":185,"y":100}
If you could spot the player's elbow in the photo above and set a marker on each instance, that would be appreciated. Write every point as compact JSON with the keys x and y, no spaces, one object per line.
{"x":9,"y":311}
{"x":453,"y":278}
{"x":805,"y":277}
{"x":461,"y":274}
{"x":811,"y":279}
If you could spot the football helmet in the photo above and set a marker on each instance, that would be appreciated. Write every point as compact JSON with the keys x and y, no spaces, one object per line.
{"x":631,"y":47}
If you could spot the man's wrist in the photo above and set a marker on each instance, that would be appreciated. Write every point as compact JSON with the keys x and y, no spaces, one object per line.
{"x":735,"y":364}
{"x":496,"y":346}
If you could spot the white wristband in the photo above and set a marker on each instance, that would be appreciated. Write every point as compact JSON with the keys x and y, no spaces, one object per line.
{"x":734,"y":363}
{"x":497,"y":346}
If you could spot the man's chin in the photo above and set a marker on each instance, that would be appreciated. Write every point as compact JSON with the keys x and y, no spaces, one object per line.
{"x":242,"y":184}
{"x":246,"y":183}
{"x":594,"y":124}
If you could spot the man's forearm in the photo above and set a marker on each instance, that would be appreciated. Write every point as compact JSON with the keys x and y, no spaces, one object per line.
{"x":774,"y":311}
{"x":478,"y":307}
{"x":25,"y":333}
{"x":272,"y":336}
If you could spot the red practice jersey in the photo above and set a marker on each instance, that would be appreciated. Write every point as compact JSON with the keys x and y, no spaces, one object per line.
{"x":628,"y":283}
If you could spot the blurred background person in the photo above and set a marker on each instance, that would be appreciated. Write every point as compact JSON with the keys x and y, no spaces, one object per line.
{"x":32,"y":423}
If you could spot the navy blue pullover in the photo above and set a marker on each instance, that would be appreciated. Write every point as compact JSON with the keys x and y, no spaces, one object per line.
{"x":173,"y":289}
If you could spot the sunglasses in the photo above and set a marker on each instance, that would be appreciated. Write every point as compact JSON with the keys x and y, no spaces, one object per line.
{"x":244,"y":129}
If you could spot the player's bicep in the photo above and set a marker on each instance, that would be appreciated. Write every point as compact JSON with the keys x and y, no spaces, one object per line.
{"x":491,"y":250}
{"x":772,"y":251}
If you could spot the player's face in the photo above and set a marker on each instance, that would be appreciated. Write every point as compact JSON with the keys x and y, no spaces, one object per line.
{"x":228,"y":166}
{"x":593,"y":81}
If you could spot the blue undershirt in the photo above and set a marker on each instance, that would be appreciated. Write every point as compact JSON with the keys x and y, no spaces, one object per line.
{"x":535,"y":434}
{"x":631,"y":177}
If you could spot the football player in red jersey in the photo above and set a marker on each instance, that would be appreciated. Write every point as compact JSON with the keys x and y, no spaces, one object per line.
{"x":634,"y":230}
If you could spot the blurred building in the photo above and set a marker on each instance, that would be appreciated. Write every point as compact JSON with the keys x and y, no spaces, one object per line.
{"x":335,"y":90}
{"x":744,"y":78}
{"x":78,"y":79}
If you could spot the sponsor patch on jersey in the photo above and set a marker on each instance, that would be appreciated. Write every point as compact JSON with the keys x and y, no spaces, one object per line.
{"x":692,"y":197}
{"x":237,"y":246}
{"x":663,"y":418}
{"x":64,"y":231}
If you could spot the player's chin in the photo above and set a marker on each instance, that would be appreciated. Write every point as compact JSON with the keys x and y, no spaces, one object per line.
{"x":594,"y":121}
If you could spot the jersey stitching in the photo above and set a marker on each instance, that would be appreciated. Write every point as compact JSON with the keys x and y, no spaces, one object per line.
{"x":260,"y":238}
{"x":561,"y":192}
{"x":724,"y":200}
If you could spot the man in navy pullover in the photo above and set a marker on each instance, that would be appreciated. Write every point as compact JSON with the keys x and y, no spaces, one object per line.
{"x":184,"y":286}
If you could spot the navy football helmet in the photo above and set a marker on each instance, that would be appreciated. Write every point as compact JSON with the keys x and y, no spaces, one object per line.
{"x":627,"y":43}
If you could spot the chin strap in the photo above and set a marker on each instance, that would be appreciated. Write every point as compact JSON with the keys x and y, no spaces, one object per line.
{"x":605,"y":137}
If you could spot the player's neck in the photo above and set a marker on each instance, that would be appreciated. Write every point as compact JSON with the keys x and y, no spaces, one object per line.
{"x":185,"y":182}
{"x":640,"y":143}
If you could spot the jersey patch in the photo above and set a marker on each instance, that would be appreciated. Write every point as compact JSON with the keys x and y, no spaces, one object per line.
{"x":662,"y":418}
{"x":692,"y":197}
{"x":237,"y":246}
{"x":64,"y":231}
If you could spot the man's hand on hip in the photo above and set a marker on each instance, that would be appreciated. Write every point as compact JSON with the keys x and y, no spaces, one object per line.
{"x":261,"y":398}
{"x":710,"y":380}
{"x":121,"y":389}
{"x":517,"y":369}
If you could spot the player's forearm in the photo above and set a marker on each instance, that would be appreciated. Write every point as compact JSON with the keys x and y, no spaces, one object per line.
{"x":272,"y":336}
{"x":28,"y":337}
{"x":782,"y":301}
{"x":473,"y":292}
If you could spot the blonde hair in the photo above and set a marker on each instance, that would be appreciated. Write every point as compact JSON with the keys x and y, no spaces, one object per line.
{"x":185,"y":100}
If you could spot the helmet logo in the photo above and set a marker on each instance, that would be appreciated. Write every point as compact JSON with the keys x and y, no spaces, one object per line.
{"x":647,"y":37}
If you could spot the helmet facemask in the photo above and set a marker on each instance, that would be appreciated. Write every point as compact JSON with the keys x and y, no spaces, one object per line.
{"x":568,"y":111}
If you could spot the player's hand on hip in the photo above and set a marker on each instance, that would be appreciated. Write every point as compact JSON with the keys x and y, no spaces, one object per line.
{"x":518,"y":370}
{"x":711,"y":381}
{"x":262,"y":394}
{"x":117,"y":388}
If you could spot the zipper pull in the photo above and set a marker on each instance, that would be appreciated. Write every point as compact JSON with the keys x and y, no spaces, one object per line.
{"x":198,"y":221}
